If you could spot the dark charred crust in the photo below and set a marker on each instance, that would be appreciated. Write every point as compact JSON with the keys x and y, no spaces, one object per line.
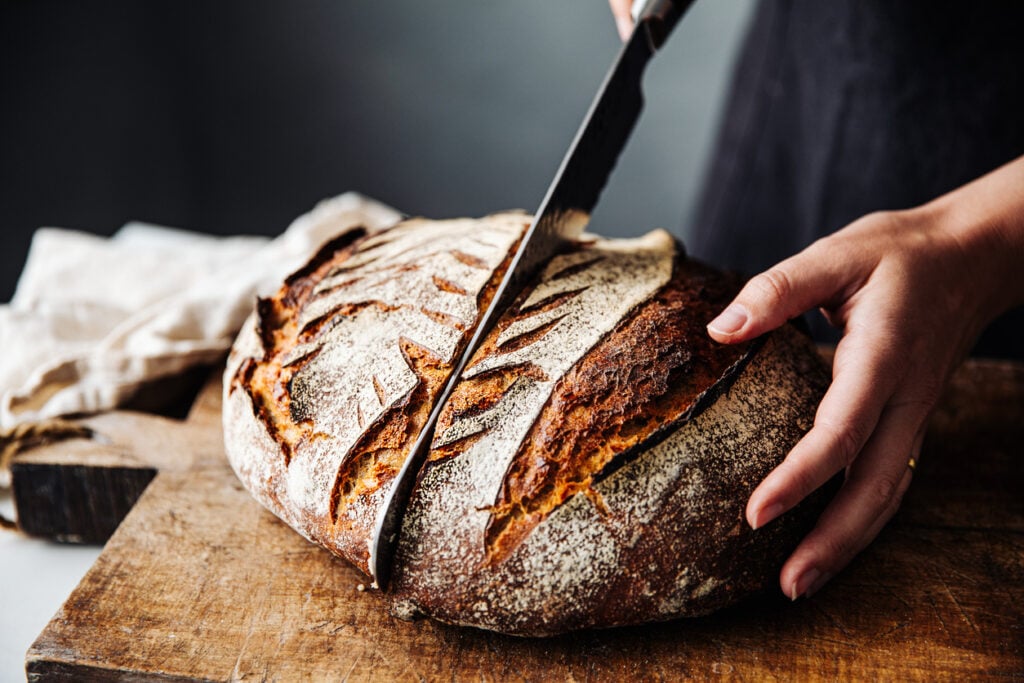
{"x":525,"y":369}
{"x":529,"y":337}
{"x":260,"y":409}
{"x":553,"y":301}
{"x":455,"y":447}
{"x":323,"y":323}
{"x":328,"y":252}
{"x":266,"y":323}
{"x":298,"y":408}
{"x":318,"y":326}
{"x":329,"y":291}
{"x":243,"y":378}
{"x":569,"y":271}
{"x":379,"y":389}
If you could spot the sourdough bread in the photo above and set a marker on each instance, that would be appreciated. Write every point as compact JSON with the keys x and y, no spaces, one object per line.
{"x":591,"y":467}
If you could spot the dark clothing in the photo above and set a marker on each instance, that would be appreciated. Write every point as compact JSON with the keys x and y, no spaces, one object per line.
{"x":842,"y":108}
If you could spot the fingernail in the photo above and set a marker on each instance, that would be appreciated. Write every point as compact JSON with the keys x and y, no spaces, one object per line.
{"x":730,"y":320}
{"x":803,"y":582}
{"x":809,"y":583}
{"x":766,"y":515}
{"x":625,"y":26}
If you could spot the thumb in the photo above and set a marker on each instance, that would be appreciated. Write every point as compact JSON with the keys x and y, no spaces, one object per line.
{"x":770,"y":299}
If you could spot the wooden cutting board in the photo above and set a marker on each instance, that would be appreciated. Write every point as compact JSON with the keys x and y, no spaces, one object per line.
{"x":200,"y":583}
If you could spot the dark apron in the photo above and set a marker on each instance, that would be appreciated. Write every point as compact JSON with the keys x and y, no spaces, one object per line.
{"x":846,"y":107}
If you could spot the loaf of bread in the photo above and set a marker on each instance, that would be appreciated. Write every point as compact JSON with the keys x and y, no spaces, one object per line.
{"x":591,"y":467}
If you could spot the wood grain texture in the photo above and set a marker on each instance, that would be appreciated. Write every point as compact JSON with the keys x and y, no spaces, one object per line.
{"x":79,"y":490}
{"x":201,"y":583}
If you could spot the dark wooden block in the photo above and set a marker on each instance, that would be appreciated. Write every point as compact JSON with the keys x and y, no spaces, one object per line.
{"x":76,"y":503}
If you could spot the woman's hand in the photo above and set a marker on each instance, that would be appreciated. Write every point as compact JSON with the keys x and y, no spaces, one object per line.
{"x":623,"y":19}
{"x":910,"y":290}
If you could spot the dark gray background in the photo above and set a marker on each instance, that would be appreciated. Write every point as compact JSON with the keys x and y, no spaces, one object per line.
{"x":234,"y":117}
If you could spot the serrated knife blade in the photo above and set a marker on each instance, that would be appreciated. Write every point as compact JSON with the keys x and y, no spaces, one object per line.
{"x":562,"y":216}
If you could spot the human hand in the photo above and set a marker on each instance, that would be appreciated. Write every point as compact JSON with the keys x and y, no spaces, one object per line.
{"x":910,"y":290}
{"x":623,"y":19}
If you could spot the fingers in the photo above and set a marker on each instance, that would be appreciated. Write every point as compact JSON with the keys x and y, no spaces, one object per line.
{"x":869,"y":422}
{"x":796,"y":582}
{"x":897,"y":500}
{"x":623,"y":20}
{"x":846,"y":418}
{"x":886,"y":287}
{"x":888,"y":281}
{"x":868,"y":499}
{"x":867,"y":371}
{"x":814,"y":277}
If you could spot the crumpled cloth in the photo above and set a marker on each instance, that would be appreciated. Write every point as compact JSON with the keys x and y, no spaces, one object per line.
{"x":94,"y":319}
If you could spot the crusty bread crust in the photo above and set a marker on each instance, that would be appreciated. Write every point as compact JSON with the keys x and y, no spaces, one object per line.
{"x":622,"y":502}
{"x":592,"y":466}
{"x":333,"y":377}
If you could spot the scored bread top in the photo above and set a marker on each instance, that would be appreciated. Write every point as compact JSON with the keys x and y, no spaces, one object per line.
{"x":592,"y":464}
{"x":554,"y":402}
{"x":598,"y":395}
{"x":340,"y":368}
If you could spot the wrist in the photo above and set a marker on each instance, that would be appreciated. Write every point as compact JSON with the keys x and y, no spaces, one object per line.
{"x":985,"y":220}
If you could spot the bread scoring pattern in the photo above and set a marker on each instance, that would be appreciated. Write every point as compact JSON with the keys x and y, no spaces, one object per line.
{"x":581,"y":297}
{"x":404,"y":299}
{"x":619,"y":497}
{"x":592,"y":464}
{"x":357,"y":350}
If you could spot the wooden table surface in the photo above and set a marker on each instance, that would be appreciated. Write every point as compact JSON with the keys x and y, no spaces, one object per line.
{"x":200,"y":583}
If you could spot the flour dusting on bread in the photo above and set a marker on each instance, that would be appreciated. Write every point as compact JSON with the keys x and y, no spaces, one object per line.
{"x":351,"y":342}
{"x":590,"y":467}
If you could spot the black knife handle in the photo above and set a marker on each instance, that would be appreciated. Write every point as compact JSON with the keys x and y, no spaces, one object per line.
{"x":659,"y":17}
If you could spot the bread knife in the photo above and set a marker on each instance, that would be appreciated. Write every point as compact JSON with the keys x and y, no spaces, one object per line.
{"x":562,"y":215}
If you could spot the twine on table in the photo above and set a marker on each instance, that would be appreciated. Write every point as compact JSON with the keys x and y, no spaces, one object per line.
{"x":25,"y":437}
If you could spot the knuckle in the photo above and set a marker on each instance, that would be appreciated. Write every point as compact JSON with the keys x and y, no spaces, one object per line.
{"x":883,"y":220}
{"x":881,"y":490}
{"x":846,"y":441}
{"x":920,"y":404}
{"x":848,"y":445}
{"x":885,"y":489}
{"x":774,"y":284}
{"x":929,"y":389}
{"x":802,"y":483}
{"x":839,"y":547}
{"x":916,"y":404}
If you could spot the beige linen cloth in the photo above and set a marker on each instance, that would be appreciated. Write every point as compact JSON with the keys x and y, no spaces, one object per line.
{"x":94,"y":319}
